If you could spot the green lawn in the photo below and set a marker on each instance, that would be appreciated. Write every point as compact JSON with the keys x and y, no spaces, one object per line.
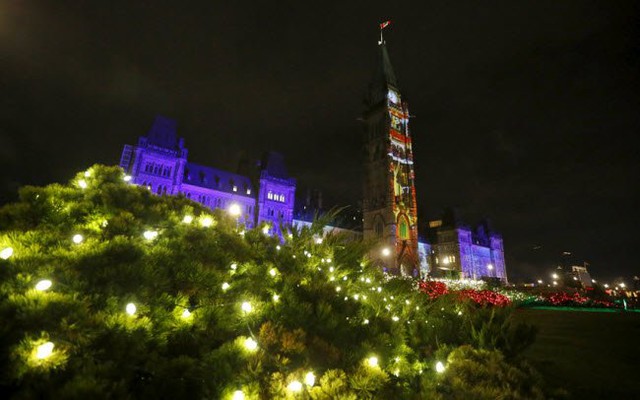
{"x":593,"y":355}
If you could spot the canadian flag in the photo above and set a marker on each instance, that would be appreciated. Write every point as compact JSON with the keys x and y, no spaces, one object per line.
{"x":385,"y":24}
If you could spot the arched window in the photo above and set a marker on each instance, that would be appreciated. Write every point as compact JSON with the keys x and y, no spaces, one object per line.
{"x":403,"y":227}
{"x":270,"y":195}
{"x":282,"y":198}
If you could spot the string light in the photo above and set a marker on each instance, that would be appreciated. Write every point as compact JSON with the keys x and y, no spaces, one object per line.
{"x":439,"y":367}
{"x":246,"y":307}
{"x":265,"y":229}
{"x":43,"y":285}
{"x":278,"y":247}
{"x":6,"y":253}
{"x":238,"y":395}
{"x":372,"y":361}
{"x":250,"y":344}
{"x":87,"y":173}
{"x":273,"y":272}
{"x":366,"y":322}
{"x":44,"y":350}
{"x":206,"y":222}
{"x":225,"y":286}
{"x":234,"y":266}
{"x":82,"y":183}
{"x":150,"y":235}
{"x":276,"y":298}
{"x":186,"y":313}
{"x":395,"y":318}
{"x":295,"y":386}
{"x":338,"y":288}
{"x":77,"y":238}
{"x":131,"y":309}
{"x":309,"y":379}
{"x":187,"y":219}
{"x":127,"y":178}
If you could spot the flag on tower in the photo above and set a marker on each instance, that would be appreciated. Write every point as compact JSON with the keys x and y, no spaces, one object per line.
{"x":384,"y":24}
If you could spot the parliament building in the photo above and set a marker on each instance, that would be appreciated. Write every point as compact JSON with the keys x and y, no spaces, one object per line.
{"x":389,"y":208}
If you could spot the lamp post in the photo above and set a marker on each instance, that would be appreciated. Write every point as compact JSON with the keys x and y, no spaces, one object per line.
{"x":235,"y":211}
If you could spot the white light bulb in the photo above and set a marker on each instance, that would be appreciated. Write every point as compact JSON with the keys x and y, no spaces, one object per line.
{"x":265,"y":229}
{"x":386,"y":252}
{"x":276,"y":297}
{"x":318,"y":240}
{"x":186,"y":313}
{"x":87,"y":173}
{"x":372,"y":361}
{"x":127,"y":178}
{"x":395,"y":318}
{"x":366,"y":322}
{"x":439,"y":367}
{"x":250,"y":344}
{"x":82,"y":183}
{"x":43,"y":285}
{"x":206,"y":222}
{"x":278,"y":247}
{"x":77,"y":238}
{"x":295,"y":386}
{"x":225,"y":286}
{"x":6,"y":253}
{"x":187,"y":219}
{"x":272,"y":272}
{"x":310,"y":379}
{"x":338,"y":288}
{"x":150,"y":235}
{"x":131,"y":308}
{"x":238,"y":395}
{"x":234,"y":266}
{"x":44,"y":350}
{"x":246,"y":307}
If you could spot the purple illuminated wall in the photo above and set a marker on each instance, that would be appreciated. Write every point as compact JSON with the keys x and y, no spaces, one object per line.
{"x":159,"y":162}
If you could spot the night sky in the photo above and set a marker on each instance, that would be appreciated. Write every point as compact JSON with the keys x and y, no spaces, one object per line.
{"x":525,"y":112}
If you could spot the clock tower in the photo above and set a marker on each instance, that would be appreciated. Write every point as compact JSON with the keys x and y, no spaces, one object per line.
{"x":389,"y":204}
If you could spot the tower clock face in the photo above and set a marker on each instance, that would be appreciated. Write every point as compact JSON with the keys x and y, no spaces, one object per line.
{"x":393,"y":97}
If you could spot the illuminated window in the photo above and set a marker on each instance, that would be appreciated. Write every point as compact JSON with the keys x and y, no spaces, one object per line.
{"x":270,"y":195}
{"x":282,"y":198}
{"x":235,"y":188}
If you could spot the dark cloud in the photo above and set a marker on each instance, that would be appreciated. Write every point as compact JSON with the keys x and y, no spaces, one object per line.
{"x":524,"y":112}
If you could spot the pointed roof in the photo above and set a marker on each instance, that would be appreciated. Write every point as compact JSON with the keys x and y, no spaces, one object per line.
{"x":385,"y":67}
{"x":383,"y":77}
{"x":163,"y":133}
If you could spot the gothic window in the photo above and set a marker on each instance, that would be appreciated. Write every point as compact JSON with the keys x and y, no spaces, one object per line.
{"x":403,"y":228}
{"x":235,"y":188}
{"x":282,"y":198}
{"x":379,"y":228}
{"x":270,"y":195}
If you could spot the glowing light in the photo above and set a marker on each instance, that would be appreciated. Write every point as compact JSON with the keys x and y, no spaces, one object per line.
{"x":150,"y":235}
{"x":606,"y":285}
{"x":489,"y":267}
{"x":82,"y":183}
{"x":395,"y":318}
{"x":379,"y":289}
{"x":593,"y":281}
{"x":575,"y":278}
{"x":235,"y":210}
{"x":310,"y":379}
{"x":439,"y":367}
{"x":225,"y":286}
{"x":250,"y":344}
{"x":540,"y":281}
{"x":187,"y":219}
{"x":246,"y":307}
{"x":295,"y":386}
{"x":554,"y":276}
{"x":622,"y":285}
{"x":127,"y":178}
{"x":368,"y":280}
{"x":87,"y":173}
{"x":44,"y":350}
{"x":555,"y":283}
{"x":328,"y":260}
{"x":265,"y":229}
{"x":278,"y":247}
{"x":273,"y":272}
{"x":234,"y":266}
{"x":131,"y":309}
{"x":386,"y":252}
{"x":356,"y":296}
{"x":186,"y":313}
{"x":318,"y":240}
{"x":238,"y":395}
{"x":276,"y":298}
{"x":331,"y":269}
{"x":206,"y":222}
{"x":43,"y":285}
{"x":77,"y":238}
{"x":6,"y":253}
{"x":372,"y":361}
{"x":366,"y":322}
{"x":338,"y":288}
